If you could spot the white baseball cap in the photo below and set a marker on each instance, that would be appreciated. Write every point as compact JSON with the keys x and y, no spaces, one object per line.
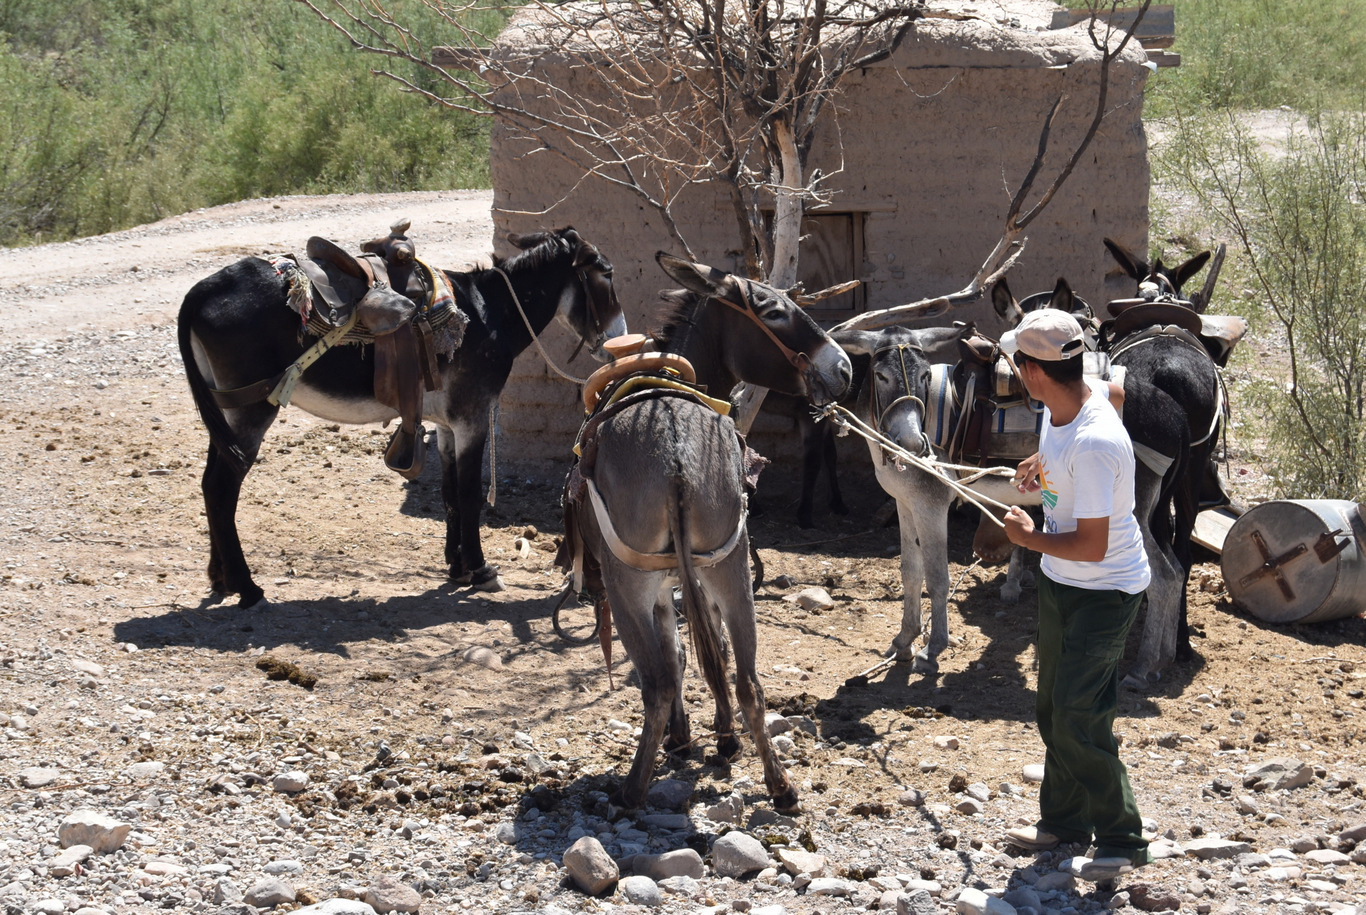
{"x":1048,"y":335}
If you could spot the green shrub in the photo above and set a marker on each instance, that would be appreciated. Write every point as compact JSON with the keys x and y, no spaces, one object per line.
{"x":1263,"y":54}
{"x":1296,"y":213}
{"x":117,"y":113}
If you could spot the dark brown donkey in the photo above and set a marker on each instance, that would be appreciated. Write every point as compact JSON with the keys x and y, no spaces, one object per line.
{"x":237,"y":329}
{"x":659,"y":502}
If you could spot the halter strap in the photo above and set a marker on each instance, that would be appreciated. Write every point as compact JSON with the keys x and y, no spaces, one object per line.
{"x":799,"y":361}
{"x":880,"y":414}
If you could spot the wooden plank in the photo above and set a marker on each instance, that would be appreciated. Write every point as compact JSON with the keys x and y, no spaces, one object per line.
{"x":1212,"y":527}
{"x":1157,"y":30}
{"x":1165,"y":58}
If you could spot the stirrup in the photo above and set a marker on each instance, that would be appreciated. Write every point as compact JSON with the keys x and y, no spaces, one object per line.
{"x":406,"y":452}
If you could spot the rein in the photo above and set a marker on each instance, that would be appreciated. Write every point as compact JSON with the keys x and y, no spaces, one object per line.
{"x":540,"y":348}
{"x":799,"y":361}
{"x":845,"y":419}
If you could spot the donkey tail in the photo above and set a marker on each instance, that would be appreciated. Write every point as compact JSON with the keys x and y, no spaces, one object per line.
{"x":221,"y":435}
{"x":704,"y":620}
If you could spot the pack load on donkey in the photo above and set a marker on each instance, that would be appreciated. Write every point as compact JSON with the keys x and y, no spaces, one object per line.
{"x":386,"y":296}
{"x":934,"y":428}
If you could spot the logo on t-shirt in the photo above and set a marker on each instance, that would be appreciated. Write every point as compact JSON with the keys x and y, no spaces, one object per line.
{"x":1049,"y":496}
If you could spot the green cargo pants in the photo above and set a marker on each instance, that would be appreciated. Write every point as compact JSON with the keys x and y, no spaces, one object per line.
{"x":1085,"y":789}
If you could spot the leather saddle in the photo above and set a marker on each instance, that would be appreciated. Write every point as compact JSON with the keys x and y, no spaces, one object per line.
{"x":1216,"y":334}
{"x":386,"y":291}
{"x":986,"y":389}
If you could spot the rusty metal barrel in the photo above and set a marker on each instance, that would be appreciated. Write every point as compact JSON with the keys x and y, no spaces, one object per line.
{"x":1298,"y":561}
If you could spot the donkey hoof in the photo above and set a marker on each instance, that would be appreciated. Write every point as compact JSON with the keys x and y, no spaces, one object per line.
{"x":252,"y":598}
{"x":618,"y":806}
{"x":898,"y":654}
{"x":1139,"y":680}
{"x":678,"y":749}
{"x":787,"y":803}
{"x":1010,"y":594}
{"x":925,"y":664}
{"x":728,"y":747}
{"x":485,"y":578}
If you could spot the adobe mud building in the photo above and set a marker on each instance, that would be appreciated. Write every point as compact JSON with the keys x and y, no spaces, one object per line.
{"x":925,"y":149}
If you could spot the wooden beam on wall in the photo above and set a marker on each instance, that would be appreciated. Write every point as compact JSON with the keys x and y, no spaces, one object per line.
{"x":1157,"y":30}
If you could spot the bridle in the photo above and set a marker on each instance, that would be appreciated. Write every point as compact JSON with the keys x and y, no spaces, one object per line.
{"x":679,"y":342}
{"x":799,"y":361}
{"x":1157,"y":286}
{"x":880,"y":412}
{"x":592,"y":285}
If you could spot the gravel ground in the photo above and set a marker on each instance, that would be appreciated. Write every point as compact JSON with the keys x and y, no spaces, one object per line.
{"x":439,"y":750}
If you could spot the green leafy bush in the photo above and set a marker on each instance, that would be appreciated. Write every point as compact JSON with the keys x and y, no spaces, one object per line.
{"x":117,"y":113}
{"x":1295,"y":210}
{"x":1263,"y":54}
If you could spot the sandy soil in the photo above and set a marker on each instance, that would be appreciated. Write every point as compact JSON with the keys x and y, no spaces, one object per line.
{"x":104,"y":551}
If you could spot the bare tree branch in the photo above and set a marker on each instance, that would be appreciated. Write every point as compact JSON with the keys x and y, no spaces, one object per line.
{"x":693,"y":92}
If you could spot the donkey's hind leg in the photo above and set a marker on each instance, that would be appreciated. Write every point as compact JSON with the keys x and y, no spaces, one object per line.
{"x":678,"y":741}
{"x":730,"y":587}
{"x":652,"y":652}
{"x":222,"y":487}
{"x":1017,"y":577}
{"x":1157,"y":645}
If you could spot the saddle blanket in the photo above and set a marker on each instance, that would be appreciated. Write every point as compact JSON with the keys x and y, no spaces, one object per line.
{"x":943,"y":410}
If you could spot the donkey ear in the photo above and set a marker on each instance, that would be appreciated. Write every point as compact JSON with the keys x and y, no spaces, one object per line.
{"x":1062,"y":298}
{"x":1136,"y":269}
{"x":694,"y":277}
{"x":940,"y":344}
{"x":1002,"y":299}
{"x":1189,"y":269}
{"x":584,"y":252}
{"x":857,"y":342}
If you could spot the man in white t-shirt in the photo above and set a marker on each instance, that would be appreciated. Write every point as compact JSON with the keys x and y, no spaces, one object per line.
{"x":1094,"y":572}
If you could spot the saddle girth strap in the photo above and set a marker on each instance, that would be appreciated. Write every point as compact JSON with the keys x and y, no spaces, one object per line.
{"x":279,"y":388}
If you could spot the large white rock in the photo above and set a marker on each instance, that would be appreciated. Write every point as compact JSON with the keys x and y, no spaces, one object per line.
{"x":682,"y":862}
{"x":386,"y":894}
{"x":1277,"y":774}
{"x":1327,"y":856}
{"x":337,"y":906}
{"x":918,"y":902}
{"x":830,"y":886}
{"x":145,"y":771}
{"x":817,"y":599}
{"x":736,"y":854}
{"x":590,"y":867}
{"x":483,"y":656}
{"x":38,"y":776}
{"x":291,"y":782}
{"x":1207,"y":849}
{"x":90,"y":827}
{"x":975,"y":902}
{"x":65,"y":864}
{"x":641,"y":890}
{"x":799,"y":861}
{"x":269,"y":893}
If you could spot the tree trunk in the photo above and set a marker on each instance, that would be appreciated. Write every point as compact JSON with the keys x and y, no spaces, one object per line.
{"x":787,"y":210}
